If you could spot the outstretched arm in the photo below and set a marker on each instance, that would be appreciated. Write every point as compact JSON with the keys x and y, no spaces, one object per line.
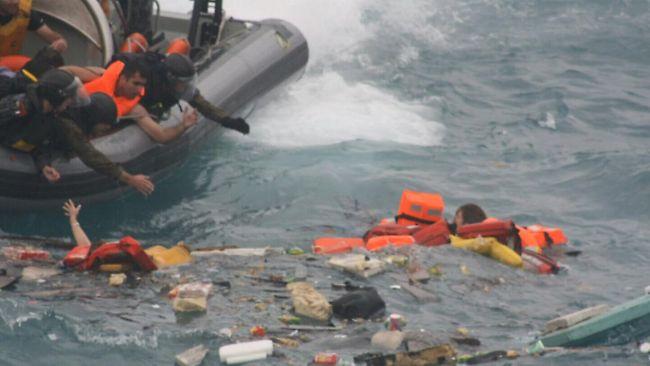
{"x":159,"y":133}
{"x":98,"y":161}
{"x":72,"y":211}
{"x":55,"y":40}
{"x":218,"y":115}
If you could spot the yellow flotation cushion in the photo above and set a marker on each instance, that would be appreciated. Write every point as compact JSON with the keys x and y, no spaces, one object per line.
{"x":166,"y":257}
{"x":489,"y":247}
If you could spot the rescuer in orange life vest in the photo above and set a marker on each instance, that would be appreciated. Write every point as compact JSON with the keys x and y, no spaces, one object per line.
{"x":16,"y":18}
{"x":126,"y":82}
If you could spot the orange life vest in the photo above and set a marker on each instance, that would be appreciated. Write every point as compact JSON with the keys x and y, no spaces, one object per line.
{"x":336,"y":245}
{"x":126,"y":250}
{"x":13,"y":33}
{"x":419,"y":208}
{"x":14,"y":62}
{"x":543,"y":236}
{"x":503,"y":231}
{"x":76,"y":256}
{"x":381,"y":242}
{"x":107,"y":84}
{"x":433,"y":235}
{"x":390,"y":229}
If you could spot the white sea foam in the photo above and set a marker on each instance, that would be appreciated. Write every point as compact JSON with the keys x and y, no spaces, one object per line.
{"x":323,"y":108}
{"x":548,"y":122}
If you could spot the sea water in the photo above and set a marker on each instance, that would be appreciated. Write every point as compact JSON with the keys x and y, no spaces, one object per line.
{"x":535,"y":110}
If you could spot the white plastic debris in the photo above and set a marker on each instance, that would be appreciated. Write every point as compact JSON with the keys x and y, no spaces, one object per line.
{"x":246,"y":351}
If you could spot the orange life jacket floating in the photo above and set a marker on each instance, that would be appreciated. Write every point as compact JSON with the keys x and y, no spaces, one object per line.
{"x":390,"y":229}
{"x":546,"y":236}
{"x":433,"y":235}
{"x":336,"y":245}
{"x":419,"y":208}
{"x":502,"y":230}
{"x":381,"y":242}
{"x":126,"y":250}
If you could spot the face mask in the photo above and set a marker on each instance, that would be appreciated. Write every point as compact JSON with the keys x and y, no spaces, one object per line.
{"x":188,"y":91}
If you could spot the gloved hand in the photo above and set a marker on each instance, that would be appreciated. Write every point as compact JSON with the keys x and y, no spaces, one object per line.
{"x":237,"y":124}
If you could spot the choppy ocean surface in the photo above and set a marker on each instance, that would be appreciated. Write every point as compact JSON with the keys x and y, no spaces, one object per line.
{"x":536,"y":110}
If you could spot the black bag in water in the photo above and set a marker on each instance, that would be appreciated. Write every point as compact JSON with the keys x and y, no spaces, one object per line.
{"x":361,"y":303}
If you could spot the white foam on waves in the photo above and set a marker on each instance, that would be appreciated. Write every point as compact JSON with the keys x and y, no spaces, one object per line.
{"x":322,"y":108}
{"x":325,"y":109}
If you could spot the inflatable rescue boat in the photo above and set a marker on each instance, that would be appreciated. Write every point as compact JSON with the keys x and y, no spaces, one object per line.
{"x":238,"y":62}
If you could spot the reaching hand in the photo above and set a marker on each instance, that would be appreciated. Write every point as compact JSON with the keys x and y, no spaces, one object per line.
{"x":190,"y":117}
{"x":237,"y":124}
{"x":71,"y":210}
{"x":52,"y":175}
{"x":142,"y":183}
{"x":60,"y":45}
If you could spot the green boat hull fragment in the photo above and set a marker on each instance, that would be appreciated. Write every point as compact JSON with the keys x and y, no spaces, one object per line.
{"x":622,"y":324}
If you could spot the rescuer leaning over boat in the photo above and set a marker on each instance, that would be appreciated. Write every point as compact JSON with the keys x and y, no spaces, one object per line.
{"x":34,"y":122}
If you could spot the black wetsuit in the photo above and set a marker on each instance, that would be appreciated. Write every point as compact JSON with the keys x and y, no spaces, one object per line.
{"x":25,"y":127}
{"x":160,"y":98}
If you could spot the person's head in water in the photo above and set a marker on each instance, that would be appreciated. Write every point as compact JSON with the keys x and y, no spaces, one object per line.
{"x":469,"y":213}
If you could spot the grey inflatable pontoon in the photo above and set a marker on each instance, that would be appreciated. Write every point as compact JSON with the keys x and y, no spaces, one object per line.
{"x":244,"y":62}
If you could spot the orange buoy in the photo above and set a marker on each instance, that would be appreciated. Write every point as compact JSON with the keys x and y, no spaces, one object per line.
{"x":179,"y":45}
{"x":380,"y":242}
{"x":135,"y":43}
{"x":336,"y":245}
{"x":14,"y":62}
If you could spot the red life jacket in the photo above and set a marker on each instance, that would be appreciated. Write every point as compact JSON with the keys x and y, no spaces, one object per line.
{"x":390,"y":229}
{"x":502,"y":230}
{"x":127,"y":249}
{"x":539,"y":263}
{"x":433,"y":235}
{"x":76,"y":256}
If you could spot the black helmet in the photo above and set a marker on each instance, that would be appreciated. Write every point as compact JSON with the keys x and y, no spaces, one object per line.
{"x":57,"y":85}
{"x":179,"y":67}
{"x":102,"y":109}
